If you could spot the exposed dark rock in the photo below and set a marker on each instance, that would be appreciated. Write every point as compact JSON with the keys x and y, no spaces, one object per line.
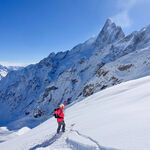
{"x":27,"y":113}
{"x":103,"y":87}
{"x":114,"y":80}
{"x":38,"y":113}
{"x":88,"y":90}
{"x":69,"y":100}
{"x":125,"y":67}
{"x":83,"y":70}
{"x":82,"y":61}
{"x":74,"y":81}
{"x":101,"y":72}
{"x":48,"y":90}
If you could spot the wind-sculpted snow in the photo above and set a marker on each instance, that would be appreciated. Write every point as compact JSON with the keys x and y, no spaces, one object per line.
{"x":100,"y":62}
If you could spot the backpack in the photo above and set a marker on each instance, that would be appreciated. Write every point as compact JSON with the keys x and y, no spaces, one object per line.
{"x":55,"y":114}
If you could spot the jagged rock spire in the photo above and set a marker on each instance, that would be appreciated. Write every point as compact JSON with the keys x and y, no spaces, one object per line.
{"x":109,"y":33}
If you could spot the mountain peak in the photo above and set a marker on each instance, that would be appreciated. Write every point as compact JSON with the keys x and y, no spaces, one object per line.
{"x":110,"y":33}
{"x":108,"y":22}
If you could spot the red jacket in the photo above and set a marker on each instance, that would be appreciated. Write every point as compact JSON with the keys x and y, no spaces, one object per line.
{"x":60,"y":113}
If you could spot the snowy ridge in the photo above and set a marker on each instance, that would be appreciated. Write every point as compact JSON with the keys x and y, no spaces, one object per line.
{"x":101,"y":62}
{"x":4,"y":70}
{"x":115,"y":118}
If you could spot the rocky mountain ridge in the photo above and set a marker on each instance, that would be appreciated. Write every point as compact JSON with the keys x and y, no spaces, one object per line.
{"x":106,"y":60}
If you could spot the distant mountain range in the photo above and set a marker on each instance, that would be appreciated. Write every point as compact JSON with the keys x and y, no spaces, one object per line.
{"x":103,"y":61}
{"x":4,"y":70}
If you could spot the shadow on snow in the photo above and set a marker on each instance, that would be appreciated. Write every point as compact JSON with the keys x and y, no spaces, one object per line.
{"x":47,"y":142}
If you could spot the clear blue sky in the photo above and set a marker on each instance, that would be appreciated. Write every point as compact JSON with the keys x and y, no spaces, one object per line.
{"x":31,"y":29}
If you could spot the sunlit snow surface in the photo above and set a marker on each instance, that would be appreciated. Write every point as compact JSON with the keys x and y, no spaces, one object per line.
{"x":116,"y":118}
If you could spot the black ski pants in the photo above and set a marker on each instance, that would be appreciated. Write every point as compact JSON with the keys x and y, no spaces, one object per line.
{"x":61,"y":124}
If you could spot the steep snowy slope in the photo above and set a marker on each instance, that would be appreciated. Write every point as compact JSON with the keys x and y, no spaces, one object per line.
{"x":132,"y":66}
{"x":115,"y":118}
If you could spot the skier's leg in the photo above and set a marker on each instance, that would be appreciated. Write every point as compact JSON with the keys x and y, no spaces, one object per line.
{"x":63,"y":126}
{"x":59,"y":126}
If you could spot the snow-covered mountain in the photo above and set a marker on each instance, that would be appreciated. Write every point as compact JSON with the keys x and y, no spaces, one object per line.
{"x":103,"y":61}
{"x":112,"y":119}
{"x":4,"y":70}
{"x":14,"y":68}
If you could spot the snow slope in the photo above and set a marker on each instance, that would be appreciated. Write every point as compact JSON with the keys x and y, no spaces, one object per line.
{"x":115,"y":118}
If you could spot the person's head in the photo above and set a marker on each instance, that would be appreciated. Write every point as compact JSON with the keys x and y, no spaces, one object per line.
{"x":61,"y":106}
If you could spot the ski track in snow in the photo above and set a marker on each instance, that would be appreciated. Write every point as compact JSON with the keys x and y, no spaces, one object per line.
{"x":94,"y":141}
{"x":78,"y":146}
{"x":70,"y":143}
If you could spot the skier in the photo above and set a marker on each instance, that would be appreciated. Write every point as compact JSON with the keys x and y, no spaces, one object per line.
{"x":59,"y":114}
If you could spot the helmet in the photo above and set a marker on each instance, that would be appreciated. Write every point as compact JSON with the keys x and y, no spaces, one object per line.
{"x":62,"y":105}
